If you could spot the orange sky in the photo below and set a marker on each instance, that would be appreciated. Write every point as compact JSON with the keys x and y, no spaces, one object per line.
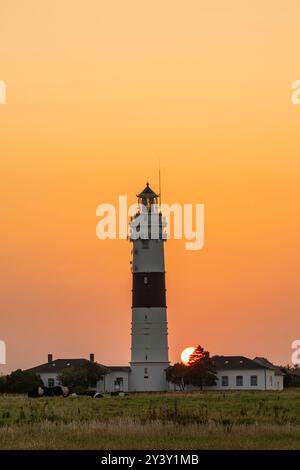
{"x":97,"y":91}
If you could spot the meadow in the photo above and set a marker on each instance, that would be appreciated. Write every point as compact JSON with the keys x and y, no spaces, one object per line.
{"x":208,"y":420}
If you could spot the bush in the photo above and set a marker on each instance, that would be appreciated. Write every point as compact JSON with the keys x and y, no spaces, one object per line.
{"x":19,"y":381}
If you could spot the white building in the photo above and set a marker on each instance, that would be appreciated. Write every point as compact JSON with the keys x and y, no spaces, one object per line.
{"x":116,"y":379}
{"x":233,"y":373}
{"x":241,"y":373}
{"x":149,"y":329}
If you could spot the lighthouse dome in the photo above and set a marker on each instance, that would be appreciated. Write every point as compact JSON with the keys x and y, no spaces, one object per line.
{"x":147,"y":196}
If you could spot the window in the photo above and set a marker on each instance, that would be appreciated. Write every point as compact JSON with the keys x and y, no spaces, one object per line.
{"x":239,"y":380}
{"x":146,"y":373}
{"x":253,"y":380}
{"x":50,"y":382}
{"x":271,"y":380}
{"x":145,"y":280}
{"x":224,"y":380}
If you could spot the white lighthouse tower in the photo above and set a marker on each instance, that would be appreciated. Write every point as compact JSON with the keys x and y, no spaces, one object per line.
{"x":149,"y":332}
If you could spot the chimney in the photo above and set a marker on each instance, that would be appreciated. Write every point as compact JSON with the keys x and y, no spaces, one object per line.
{"x":50,"y":357}
{"x":92,"y":357}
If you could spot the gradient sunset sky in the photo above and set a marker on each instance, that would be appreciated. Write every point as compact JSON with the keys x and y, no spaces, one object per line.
{"x":97,"y":92}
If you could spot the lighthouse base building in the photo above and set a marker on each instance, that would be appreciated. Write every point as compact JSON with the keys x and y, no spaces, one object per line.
{"x":233,"y":372}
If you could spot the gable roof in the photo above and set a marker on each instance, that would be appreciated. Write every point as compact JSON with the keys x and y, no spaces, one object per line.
{"x":58,"y":365}
{"x":263,"y":361}
{"x":236,"y":363}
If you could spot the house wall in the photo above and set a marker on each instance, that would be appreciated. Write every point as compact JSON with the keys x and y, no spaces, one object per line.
{"x":46,"y":376}
{"x":273,"y":381}
{"x":246,"y":374}
{"x":108,"y":382}
{"x":105,"y":385}
{"x":279,"y":382}
{"x":266,"y":380}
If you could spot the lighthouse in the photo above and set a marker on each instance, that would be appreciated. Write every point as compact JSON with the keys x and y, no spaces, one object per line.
{"x":149,"y":329}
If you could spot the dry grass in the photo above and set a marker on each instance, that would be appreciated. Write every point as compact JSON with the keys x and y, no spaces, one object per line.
{"x":193,"y":421}
{"x":128,"y":434}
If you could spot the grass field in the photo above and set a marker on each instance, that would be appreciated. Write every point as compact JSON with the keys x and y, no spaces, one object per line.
{"x":209,"y":420}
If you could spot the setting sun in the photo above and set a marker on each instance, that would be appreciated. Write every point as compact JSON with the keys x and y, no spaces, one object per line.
{"x":186,"y":353}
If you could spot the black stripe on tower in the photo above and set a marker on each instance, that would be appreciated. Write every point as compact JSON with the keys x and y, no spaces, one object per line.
{"x":149,"y":290}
